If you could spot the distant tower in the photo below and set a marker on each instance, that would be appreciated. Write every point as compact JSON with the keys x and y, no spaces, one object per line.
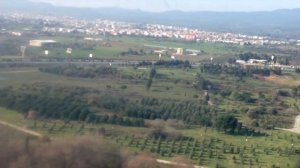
{"x":23,"y":49}
{"x":46,"y":52}
{"x":91,"y":55}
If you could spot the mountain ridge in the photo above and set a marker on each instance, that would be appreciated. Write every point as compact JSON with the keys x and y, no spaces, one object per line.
{"x":286,"y":24}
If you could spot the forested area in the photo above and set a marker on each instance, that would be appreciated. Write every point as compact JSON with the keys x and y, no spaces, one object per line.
{"x":59,"y":103}
{"x":67,"y":104}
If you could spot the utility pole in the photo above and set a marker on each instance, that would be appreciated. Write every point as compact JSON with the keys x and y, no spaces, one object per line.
{"x":23,"y":49}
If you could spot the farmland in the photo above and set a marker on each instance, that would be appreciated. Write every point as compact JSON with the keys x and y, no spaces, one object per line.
{"x":165,"y":134}
{"x":210,"y":112}
{"x":90,"y":93}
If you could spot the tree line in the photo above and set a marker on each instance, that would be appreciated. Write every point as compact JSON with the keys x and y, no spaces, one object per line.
{"x":164,"y":63}
{"x":80,"y":71}
{"x":238,"y":71}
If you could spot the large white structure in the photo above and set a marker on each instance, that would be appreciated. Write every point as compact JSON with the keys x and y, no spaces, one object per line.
{"x":69,"y":51}
{"x":257,"y":61}
{"x":40,"y":43}
{"x":179,"y":51}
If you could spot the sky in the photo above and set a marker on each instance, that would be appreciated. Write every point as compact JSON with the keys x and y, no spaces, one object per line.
{"x":184,"y":5}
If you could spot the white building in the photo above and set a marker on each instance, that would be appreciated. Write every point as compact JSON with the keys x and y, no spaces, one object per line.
{"x":39,"y":43}
{"x":179,"y":51}
{"x":257,"y":61}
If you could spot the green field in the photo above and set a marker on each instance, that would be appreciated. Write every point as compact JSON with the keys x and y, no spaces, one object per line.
{"x":121,"y":44}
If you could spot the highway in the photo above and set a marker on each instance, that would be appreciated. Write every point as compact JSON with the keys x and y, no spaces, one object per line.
{"x":287,"y":68}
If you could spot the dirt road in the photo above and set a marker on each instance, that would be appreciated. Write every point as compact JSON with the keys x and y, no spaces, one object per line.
{"x":175,"y":163}
{"x":296,"y":128}
{"x":21,"y":129}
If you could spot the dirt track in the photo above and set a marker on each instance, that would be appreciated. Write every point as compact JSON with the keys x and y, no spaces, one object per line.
{"x":296,"y":128}
{"x":24,"y":130}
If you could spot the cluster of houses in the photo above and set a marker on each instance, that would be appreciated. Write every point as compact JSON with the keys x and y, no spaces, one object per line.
{"x":53,"y":24}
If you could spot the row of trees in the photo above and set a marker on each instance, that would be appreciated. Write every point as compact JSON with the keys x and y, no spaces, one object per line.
{"x":238,"y":71}
{"x":114,"y":119}
{"x":172,"y":63}
{"x":133,"y":52}
{"x":79,"y":71}
{"x":150,"y":79}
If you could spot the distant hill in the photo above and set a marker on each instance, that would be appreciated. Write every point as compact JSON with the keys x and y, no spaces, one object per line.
{"x":279,"y":23}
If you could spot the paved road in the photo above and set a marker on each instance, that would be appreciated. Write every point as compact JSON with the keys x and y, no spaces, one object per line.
{"x":102,"y":62}
{"x":25,"y":71}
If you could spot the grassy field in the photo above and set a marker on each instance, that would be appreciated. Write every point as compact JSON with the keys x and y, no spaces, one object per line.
{"x":111,"y":48}
{"x":9,"y":135}
{"x":210,"y":48}
{"x":118,"y":44}
{"x":177,"y":83}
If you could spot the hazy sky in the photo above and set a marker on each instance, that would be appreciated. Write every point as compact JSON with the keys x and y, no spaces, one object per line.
{"x":185,"y":5}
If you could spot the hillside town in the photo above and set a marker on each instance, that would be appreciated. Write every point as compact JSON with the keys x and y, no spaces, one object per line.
{"x":67,"y":25}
